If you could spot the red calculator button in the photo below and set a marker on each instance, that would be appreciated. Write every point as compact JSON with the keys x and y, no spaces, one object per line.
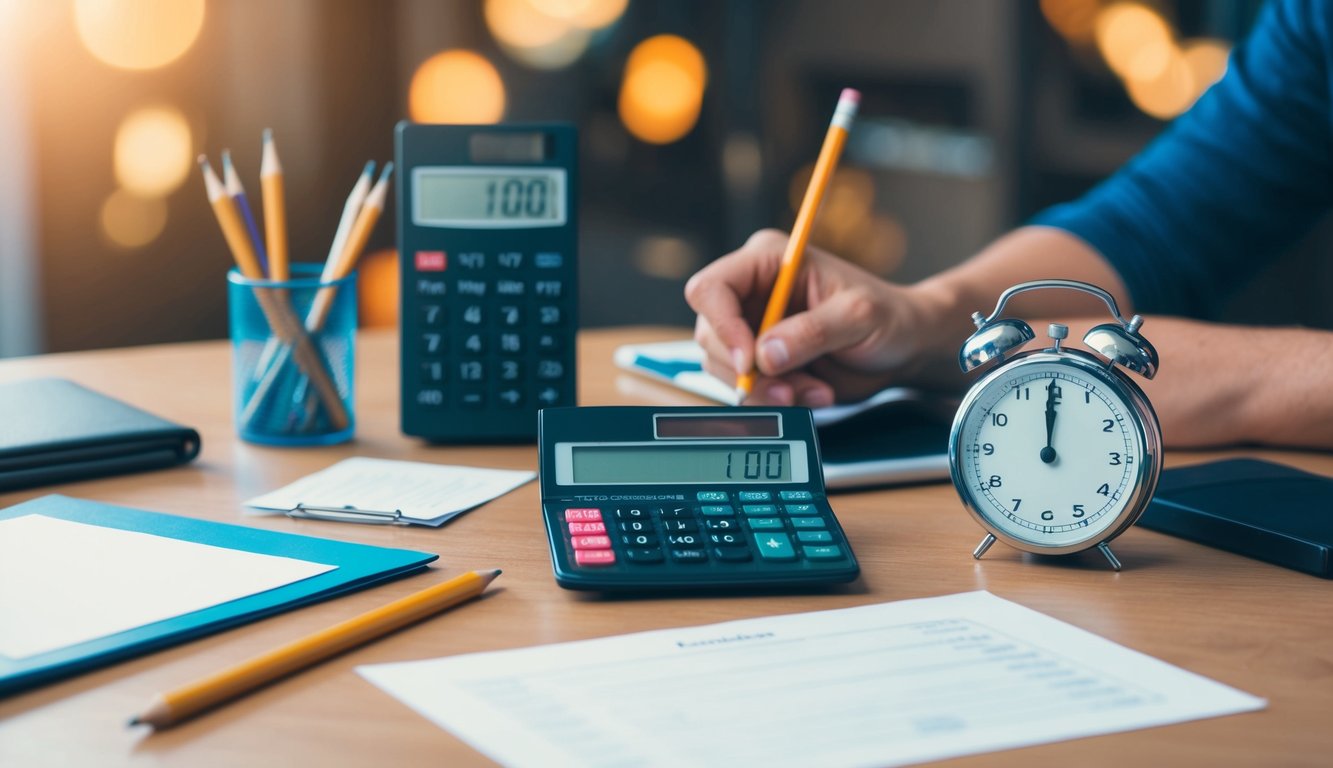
{"x":586,"y":529}
{"x":595,"y":556}
{"x":591,"y":542}
{"x":430,"y":261}
{"x":583,"y":515}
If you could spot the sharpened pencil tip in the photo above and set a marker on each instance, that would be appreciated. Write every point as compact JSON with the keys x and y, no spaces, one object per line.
{"x":741,"y":394}
{"x":369,"y":169}
{"x":226,"y":160}
{"x":268,"y":135}
{"x":134,"y":721}
{"x":203,"y":161}
{"x":388,"y":169}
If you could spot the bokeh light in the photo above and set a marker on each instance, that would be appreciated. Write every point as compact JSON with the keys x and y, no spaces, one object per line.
{"x":1135,"y":40}
{"x":548,"y":34}
{"x":663,"y":88}
{"x":1073,"y":19}
{"x":152,"y":154}
{"x":138,"y":34}
{"x":586,"y":14}
{"x":131,"y":221}
{"x":1167,"y":95}
{"x":377,"y":289}
{"x":456,"y":86}
{"x":1207,"y":62}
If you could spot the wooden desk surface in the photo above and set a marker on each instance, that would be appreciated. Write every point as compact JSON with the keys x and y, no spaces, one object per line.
{"x":1254,"y":626}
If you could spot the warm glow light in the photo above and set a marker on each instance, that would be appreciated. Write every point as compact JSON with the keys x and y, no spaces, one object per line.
{"x":152,"y":153}
{"x":586,"y":14}
{"x":1167,"y":95}
{"x":1135,"y":40}
{"x":1207,"y":62}
{"x":533,"y":35}
{"x":456,"y":86}
{"x":138,"y":34}
{"x":131,"y":221}
{"x":377,"y":289}
{"x":1073,"y":19}
{"x":662,"y":92}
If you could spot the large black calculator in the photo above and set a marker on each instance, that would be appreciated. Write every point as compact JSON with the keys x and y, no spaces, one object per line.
{"x":644,"y":498}
{"x":488,"y":245}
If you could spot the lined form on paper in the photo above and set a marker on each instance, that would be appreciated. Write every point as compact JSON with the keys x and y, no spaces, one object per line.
{"x":888,"y":684}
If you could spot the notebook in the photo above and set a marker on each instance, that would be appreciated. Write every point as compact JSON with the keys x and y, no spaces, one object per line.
{"x":897,"y":436}
{"x":84,"y":584}
{"x":55,"y":431}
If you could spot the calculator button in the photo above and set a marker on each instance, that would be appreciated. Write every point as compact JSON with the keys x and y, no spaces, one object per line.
{"x":590,"y":542}
{"x":430,"y":397}
{"x":551,"y":289}
{"x":432,"y":343}
{"x":727,"y":539}
{"x":511,"y":370}
{"x":510,"y":398}
{"x":765,"y":523}
{"x":509,"y":260}
{"x":549,"y":342}
{"x":795,"y":496}
{"x":802,"y":510}
{"x":814,"y":537}
{"x":473,"y":314}
{"x":632,"y":513}
{"x":689,"y":556}
{"x":511,"y":343}
{"x":721,"y":524}
{"x":685,"y":540}
{"x":509,"y":316}
{"x":475,"y":288}
{"x":431,"y":315}
{"x":549,"y":260}
{"x":718,"y":510}
{"x":807,"y":522}
{"x":636,"y":526}
{"x":583,"y":515}
{"x":510,"y":287}
{"x":639,"y":540}
{"x":549,"y":315}
{"x":548,"y":395}
{"x":550,"y":370}
{"x":432,"y":373}
{"x":595,"y":556}
{"x":472,"y":399}
{"x":713,"y":496}
{"x":754,"y":495}
{"x":644,"y":555}
{"x":474,"y":343}
{"x":732,"y":554}
{"x":470,"y":260}
{"x":677,"y":513}
{"x":471,"y":370}
{"x":774,"y":546}
{"x":427,"y":287}
{"x":430,"y":261}
{"x":825,"y":552}
{"x":679,"y":526}
{"x":759,"y":509}
{"x":586,"y":529}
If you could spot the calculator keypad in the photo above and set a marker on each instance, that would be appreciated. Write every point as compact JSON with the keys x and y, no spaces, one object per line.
{"x":751,"y":529}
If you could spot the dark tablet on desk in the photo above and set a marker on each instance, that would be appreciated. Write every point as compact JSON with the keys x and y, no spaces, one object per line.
{"x":901,"y":441}
{"x":1255,"y":508}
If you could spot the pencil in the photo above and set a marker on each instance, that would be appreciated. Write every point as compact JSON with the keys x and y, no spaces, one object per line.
{"x":224,"y":208}
{"x":275,"y":209}
{"x":172,"y":707}
{"x":232,"y":181}
{"x":834,"y":140}
{"x":351,"y":208}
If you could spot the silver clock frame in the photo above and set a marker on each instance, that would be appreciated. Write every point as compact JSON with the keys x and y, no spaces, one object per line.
{"x":1145,"y":423}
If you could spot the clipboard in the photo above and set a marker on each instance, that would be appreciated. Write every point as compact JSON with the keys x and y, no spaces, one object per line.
{"x":356,"y":566}
{"x":897,"y":436}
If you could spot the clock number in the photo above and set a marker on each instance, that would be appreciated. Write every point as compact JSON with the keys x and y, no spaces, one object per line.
{"x":1109,"y":424}
{"x":1078,"y":510}
{"x":1023,"y":394}
{"x":1105,"y":490}
{"x":1048,"y":515}
{"x":995,"y":482}
{"x":1017,"y":503}
{"x":999,"y":419}
{"x":1115,"y":459}
{"x":986,"y":448}
{"x":1087,"y":396}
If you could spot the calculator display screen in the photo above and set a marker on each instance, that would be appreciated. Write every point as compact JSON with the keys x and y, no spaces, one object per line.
{"x":710,"y":463}
{"x":486,"y":198}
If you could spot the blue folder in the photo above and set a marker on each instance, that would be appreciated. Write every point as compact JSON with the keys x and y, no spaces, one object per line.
{"x":358,"y":565}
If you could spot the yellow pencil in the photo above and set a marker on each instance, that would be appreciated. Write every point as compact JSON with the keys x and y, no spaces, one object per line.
{"x":224,"y":208}
{"x":170,"y":708}
{"x":275,"y":210}
{"x":356,"y":243}
{"x":834,"y":140}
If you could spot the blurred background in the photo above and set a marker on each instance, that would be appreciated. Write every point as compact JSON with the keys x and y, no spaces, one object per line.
{"x":698,"y":120}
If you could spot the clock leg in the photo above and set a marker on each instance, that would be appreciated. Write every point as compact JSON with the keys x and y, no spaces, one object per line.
{"x":1106,"y":550}
{"x":983,"y":546}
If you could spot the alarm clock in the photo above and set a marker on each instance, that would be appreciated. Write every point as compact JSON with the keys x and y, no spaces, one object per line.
{"x":1056,"y":450}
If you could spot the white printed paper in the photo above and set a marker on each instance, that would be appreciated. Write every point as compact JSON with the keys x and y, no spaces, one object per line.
{"x":428,"y":494}
{"x":64,"y":582}
{"x":887,"y":684}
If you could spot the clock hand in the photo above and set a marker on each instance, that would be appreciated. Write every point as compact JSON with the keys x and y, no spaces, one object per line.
{"x":1048,"y":453}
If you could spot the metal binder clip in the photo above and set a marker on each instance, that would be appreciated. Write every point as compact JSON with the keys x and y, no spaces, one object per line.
{"x":347,"y":515}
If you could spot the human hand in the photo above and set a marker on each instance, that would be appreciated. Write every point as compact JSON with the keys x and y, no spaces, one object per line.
{"x":848,"y":333}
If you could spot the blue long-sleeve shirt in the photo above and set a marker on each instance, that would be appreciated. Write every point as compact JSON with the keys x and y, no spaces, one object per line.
{"x":1231,"y":183}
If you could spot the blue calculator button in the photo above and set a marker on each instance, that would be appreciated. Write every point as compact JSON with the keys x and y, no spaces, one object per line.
{"x":814,"y":537}
{"x":722,"y":524}
{"x":759,"y":509}
{"x":774,"y":546}
{"x":685,"y":541}
{"x":765,"y":523}
{"x":755,"y":495}
{"x":824,"y":552}
{"x":549,"y":260}
{"x":713,"y":496}
{"x":717,"y":510}
{"x":804,"y":510}
{"x":795,"y":496}
{"x":632,"y":513}
{"x":689,"y":556}
{"x":727,"y":539}
{"x":807,"y":522}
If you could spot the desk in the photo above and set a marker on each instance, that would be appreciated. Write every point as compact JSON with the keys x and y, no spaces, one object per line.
{"x":1254,"y":626}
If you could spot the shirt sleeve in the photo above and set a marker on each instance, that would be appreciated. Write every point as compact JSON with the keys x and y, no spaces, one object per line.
{"x":1229,"y":185}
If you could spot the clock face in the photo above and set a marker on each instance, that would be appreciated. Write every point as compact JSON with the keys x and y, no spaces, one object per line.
{"x":1050,"y":452}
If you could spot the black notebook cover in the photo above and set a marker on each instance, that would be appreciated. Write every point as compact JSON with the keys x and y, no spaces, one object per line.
{"x":53,"y":431}
{"x":1251,"y":507}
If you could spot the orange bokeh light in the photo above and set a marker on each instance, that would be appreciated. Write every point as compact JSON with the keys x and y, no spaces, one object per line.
{"x":456,"y":86}
{"x":662,"y":91}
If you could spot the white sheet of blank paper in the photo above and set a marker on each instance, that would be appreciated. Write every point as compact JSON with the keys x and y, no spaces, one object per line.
{"x":63,"y":582}
{"x":886,"y":684}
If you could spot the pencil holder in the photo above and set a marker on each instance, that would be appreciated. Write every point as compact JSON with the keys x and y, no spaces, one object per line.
{"x":293,"y":354}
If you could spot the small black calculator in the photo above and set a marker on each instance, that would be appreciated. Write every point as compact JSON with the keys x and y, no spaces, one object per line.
{"x":644,"y":498}
{"x":488,"y":246}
